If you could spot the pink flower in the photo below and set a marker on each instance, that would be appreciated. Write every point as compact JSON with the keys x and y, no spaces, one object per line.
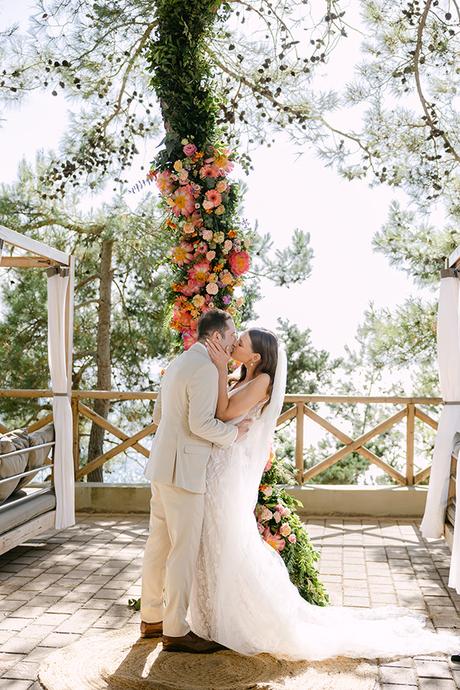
{"x":285,"y":529}
{"x":275,"y":541}
{"x":196,"y":219}
{"x":182,"y":254}
{"x":277,"y":516}
{"x":211,"y":255}
{"x":239,"y":262}
{"x":260,"y":527}
{"x":189,"y":150}
{"x":265,"y":514}
{"x":191,"y":287}
{"x":212,"y":289}
{"x":164,"y":182}
{"x":199,"y":272}
{"x":201,"y":248}
{"x":196,"y":189}
{"x":209,"y":171}
{"x":226,"y":278}
{"x":214,"y":197}
{"x":226,"y":299}
{"x":292,"y":538}
{"x":207,"y":235}
{"x":182,"y":202}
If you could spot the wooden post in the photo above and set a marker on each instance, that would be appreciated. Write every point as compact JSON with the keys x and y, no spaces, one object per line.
{"x":69,"y":317}
{"x":75,"y":436}
{"x":410,"y":444}
{"x":299,"y":442}
{"x":69,"y":323}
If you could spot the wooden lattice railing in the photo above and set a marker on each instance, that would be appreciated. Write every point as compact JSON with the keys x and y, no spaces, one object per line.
{"x":299,"y":408}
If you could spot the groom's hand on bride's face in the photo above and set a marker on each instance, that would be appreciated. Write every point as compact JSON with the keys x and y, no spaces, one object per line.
{"x":243,"y":428}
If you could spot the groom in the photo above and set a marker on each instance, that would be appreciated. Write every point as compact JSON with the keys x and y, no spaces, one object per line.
{"x":187,"y":429}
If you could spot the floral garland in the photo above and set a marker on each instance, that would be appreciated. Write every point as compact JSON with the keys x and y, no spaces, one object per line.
{"x":210,"y":256}
{"x":281,"y":527}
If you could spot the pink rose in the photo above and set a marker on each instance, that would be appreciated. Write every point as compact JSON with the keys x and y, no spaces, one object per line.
{"x":292,"y":538}
{"x":189,"y":149}
{"x":266,"y":514}
{"x":212,"y":289}
{"x":277,"y":516}
{"x":285,"y":529}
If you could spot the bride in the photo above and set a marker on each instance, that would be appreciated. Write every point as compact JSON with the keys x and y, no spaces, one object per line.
{"x":242,"y":596}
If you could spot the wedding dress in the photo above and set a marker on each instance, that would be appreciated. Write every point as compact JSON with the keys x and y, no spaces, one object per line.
{"x":242,"y":596}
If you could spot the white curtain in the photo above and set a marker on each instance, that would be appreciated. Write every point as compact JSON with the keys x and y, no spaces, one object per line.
{"x":64,"y":481}
{"x":449,"y":422}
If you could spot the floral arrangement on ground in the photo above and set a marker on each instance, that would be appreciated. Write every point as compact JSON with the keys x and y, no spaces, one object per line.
{"x":281,"y":527}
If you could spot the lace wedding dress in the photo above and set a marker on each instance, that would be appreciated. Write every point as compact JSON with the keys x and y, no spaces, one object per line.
{"x":242,"y":596}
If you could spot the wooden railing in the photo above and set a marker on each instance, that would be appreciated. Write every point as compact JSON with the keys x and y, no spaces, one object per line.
{"x":299,"y":408}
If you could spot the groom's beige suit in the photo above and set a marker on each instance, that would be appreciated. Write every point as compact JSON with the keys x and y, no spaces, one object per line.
{"x":187,"y":429}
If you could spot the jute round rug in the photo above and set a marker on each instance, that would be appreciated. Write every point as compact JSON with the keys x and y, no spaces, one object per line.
{"x":120,"y":660}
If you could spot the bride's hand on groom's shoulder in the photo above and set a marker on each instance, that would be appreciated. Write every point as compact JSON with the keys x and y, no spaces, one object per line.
{"x":219,"y":355}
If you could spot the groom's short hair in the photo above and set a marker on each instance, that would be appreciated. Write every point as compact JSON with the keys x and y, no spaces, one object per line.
{"x":213,"y":320}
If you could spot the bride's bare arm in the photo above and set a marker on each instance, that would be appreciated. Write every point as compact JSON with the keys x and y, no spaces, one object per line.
{"x":242,"y":400}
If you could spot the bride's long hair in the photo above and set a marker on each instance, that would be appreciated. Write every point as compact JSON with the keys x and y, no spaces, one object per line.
{"x":265,"y":343}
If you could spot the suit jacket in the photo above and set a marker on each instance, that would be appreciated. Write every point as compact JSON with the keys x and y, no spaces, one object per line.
{"x":187,"y":428}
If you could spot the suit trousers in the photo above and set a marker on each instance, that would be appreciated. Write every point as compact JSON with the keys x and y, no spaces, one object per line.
{"x":171,"y":553}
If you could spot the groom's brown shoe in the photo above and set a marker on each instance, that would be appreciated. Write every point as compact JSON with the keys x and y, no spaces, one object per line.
{"x":190,"y":643}
{"x":151,"y":629}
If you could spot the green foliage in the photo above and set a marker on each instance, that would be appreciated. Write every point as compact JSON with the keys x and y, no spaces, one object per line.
{"x":403,"y":336}
{"x":139,"y":286}
{"x":257,"y":61}
{"x":416,"y":246}
{"x":23,"y":343}
{"x":182,"y":73}
{"x":284,"y":266}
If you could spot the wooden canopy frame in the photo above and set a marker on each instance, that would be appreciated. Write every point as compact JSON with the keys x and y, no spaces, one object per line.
{"x":40,"y":255}
{"x":35,"y":254}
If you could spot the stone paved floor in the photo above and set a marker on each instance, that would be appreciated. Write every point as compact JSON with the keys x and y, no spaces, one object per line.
{"x":55,"y":589}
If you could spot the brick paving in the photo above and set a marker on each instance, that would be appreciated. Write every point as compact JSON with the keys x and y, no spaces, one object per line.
{"x":59,"y":587}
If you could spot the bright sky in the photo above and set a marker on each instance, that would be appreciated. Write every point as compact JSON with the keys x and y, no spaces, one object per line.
{"x":284,"y":192}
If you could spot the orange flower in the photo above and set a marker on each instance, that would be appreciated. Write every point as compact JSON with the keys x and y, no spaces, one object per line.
{"x":239,"y":262}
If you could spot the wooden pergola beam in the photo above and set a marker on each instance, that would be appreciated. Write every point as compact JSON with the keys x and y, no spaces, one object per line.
{"x":26,"y":262}
{"x":17,"y":239}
